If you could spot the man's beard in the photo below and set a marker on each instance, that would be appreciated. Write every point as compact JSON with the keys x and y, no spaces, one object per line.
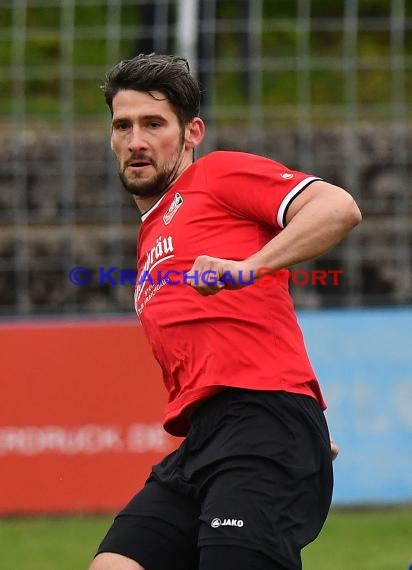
{"x":159,"y":183}
{"x":148,"y":188}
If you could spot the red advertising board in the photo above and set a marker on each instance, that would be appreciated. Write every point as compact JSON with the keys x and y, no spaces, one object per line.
{"x":81,"y":411}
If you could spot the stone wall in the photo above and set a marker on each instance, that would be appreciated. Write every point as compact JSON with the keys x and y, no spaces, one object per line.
{"x":62,"y":206}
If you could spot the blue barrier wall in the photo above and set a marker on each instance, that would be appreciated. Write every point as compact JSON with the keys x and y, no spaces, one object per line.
{"x":363,"y":359}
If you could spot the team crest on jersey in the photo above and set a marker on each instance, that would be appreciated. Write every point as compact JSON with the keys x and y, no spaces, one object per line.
{"x":173,"y":208}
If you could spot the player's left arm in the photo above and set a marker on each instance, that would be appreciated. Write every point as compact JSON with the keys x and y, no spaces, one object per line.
{"x":316,"y":220}
{"x":334,"y":449}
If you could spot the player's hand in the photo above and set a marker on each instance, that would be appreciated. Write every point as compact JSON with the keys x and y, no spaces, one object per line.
{"x":209,"y":275}
{"x":334,"y":449}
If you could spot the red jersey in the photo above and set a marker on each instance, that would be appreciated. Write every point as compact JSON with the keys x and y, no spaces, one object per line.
{"x":227,"y":205}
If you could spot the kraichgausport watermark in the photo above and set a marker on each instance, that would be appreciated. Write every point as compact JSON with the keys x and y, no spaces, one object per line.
{"x":264,"y":276}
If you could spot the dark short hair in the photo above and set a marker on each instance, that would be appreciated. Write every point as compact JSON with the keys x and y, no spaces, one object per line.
{"x":168,"y":74}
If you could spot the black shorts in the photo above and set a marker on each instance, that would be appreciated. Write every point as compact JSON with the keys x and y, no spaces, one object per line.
{"x":254,"y":473}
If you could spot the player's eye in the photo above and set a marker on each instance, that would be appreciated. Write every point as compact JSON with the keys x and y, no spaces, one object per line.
{"x":122,"y":126}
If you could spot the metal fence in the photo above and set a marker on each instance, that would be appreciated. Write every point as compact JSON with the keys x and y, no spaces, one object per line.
{"x":323,"y":87}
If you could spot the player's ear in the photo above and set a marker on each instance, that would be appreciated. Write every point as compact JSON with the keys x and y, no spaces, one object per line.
{"x":111,"y":140}
{"x":194,"y":133}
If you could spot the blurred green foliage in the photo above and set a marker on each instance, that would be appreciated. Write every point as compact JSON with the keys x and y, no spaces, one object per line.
{"x":300,"y":64}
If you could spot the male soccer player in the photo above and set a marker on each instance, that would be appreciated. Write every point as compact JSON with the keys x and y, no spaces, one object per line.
{"x":251,"y":483}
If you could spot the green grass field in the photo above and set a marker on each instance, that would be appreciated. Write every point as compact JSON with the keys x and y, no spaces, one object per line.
{"x":351,"y":540}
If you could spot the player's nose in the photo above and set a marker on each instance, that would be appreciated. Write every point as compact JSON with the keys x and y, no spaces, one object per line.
{"x":137,"y":140}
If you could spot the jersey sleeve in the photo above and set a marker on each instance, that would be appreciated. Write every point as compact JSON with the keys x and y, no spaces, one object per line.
{"x":253,"y":186}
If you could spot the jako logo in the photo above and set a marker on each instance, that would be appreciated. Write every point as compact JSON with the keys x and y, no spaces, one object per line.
{"x":226,"y":522}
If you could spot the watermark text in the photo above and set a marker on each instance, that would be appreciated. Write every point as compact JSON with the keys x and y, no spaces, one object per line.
{"x":264,"y":276}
